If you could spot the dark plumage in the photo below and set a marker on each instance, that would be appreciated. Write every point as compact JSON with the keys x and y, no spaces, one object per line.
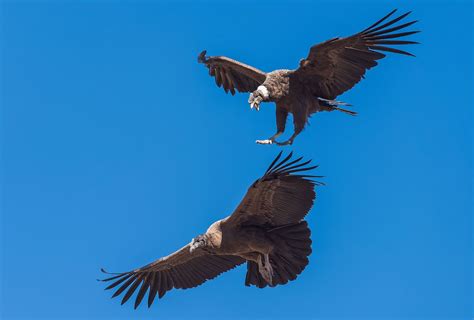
{"x":331,"y":68}
{"x":266,"y":231}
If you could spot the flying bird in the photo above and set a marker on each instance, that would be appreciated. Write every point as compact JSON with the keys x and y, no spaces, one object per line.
{"x":266,"y":231}
{"x":331,"y":68}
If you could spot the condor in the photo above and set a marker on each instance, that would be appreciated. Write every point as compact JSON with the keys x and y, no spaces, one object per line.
{"x":266,"y":231}
{"x":331,"y":68}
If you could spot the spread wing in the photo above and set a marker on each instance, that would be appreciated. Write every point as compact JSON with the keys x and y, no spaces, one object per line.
{"x":335,"y":66}
{"x":279,"y":197}
{"x":180,"y":270}
{"x":233,"y":75}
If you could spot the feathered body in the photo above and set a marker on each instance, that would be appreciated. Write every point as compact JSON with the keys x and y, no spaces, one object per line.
{"x":331,"y":68}
{"x":278,"y":84}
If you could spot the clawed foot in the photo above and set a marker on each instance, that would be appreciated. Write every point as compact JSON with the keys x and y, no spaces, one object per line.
{"x":272,"y":141}
{"x":286,"y":143}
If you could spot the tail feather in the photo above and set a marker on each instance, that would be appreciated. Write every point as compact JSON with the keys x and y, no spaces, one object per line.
{"x":349,"y":112}
{"x":289,"y":258}
{"x":331,"y":105}
{"x":253,"y":276}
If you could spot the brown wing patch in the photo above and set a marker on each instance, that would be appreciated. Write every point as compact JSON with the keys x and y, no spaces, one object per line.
{"x":337,"y":65}
{"x":157,"y":279}
{"x":284,"y":194}
{"x":232,"y":75}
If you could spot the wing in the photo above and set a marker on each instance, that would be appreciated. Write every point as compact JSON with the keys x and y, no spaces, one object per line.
{"x":335,"y":66}
{"x":180,"y":270}
{"x":233,"y":75}
{"x":279,"y":197}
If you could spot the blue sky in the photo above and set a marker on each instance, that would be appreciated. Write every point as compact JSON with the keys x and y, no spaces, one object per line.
{"x":118,"y":148}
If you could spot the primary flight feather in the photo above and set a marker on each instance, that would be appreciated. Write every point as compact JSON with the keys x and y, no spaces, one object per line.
{"x":266,"y":231}
{"x":331,"y":68}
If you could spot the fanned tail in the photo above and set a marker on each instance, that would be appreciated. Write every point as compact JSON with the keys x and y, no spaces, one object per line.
{"x":288,"y":260}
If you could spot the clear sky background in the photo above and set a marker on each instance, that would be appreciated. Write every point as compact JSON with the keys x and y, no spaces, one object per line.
{"x":118,"y":148}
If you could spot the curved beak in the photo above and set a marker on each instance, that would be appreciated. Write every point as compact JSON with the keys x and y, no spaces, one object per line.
{"x":254,"y":102}
{"x":255,"y":105}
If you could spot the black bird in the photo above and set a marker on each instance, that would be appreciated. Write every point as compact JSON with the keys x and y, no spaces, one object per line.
{"x":331,"y":68}
{"x":266,"y":231}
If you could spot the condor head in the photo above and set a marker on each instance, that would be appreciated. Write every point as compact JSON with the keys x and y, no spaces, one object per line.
{"x":198,"y":242}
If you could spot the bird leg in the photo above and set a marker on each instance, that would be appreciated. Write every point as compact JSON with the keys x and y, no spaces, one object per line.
{"x":265,"y":268}
{"x":289,"y":141}
{"x":299,"y":123}
{"x":270,"y":140}
{"x":281,"y":115}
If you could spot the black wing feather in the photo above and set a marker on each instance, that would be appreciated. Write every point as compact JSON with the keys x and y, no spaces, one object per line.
{"x":337,"y":65}
{"x":174,"y":271}
{"x":278,"y":197}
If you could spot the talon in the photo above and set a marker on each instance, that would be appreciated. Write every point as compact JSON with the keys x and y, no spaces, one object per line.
{"x":267,"y":141}
{"x":288,"y":142}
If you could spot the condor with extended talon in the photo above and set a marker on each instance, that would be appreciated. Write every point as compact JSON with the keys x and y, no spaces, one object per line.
{"x":266,"y":231}
{"x":331,"y":68}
